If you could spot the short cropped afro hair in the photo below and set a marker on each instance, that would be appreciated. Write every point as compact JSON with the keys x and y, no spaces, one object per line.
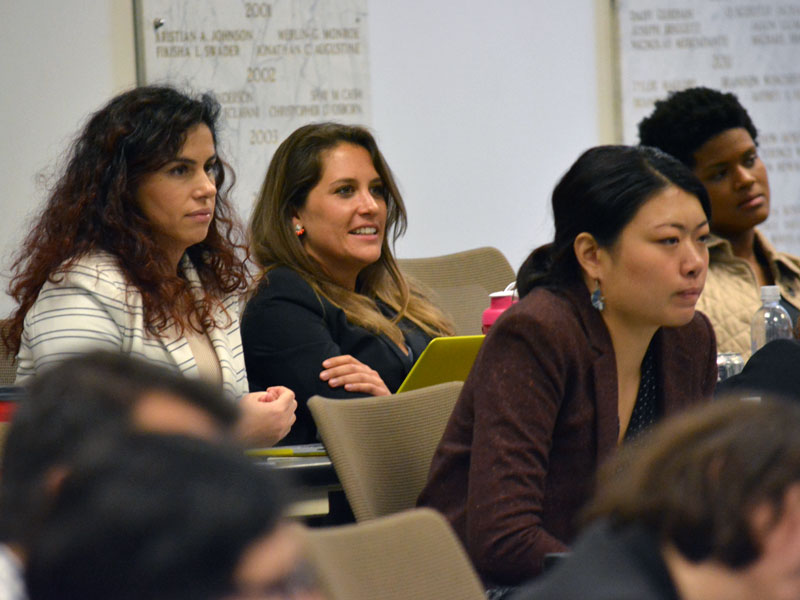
{"x":686,"y":120}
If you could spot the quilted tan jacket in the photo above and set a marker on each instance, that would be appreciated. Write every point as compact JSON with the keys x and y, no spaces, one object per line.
{"x":732,"y":294}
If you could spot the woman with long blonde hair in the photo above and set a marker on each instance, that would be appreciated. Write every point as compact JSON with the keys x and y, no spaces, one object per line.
{"x":331,"y":313}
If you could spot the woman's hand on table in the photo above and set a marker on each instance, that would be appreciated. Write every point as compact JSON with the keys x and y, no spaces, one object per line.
{"x":350,"y":373}
{"x":266,"y":417}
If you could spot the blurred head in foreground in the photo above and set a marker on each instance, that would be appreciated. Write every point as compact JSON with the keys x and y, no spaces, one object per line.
{"x":708,"y":505}
{"x":165,"y":517}
{"x":95,"y":394}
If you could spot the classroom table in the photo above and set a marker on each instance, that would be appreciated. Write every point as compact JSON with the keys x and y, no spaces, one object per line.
{"x":310,"y":471}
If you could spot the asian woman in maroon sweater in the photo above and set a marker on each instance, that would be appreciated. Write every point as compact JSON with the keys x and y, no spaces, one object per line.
{"x":604,"y":341}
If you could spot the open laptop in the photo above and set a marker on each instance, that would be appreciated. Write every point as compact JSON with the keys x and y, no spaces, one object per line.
{"x":445,"y":359}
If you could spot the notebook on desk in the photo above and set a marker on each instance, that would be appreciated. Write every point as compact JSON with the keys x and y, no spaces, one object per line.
{"x":444,"y":359}
{"x":315,"y":449}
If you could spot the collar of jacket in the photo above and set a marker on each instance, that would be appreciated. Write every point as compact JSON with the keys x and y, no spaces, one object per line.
{"x":721,"y":249}
{"x":604,"y":368}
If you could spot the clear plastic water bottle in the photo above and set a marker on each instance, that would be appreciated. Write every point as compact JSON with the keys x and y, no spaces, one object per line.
{"x":771,"y":321}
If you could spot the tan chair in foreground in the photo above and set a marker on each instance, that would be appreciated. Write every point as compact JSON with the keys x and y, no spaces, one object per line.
{"x":460,"y":283}
{"x":381,"y":447}
{"x":413,"y":555}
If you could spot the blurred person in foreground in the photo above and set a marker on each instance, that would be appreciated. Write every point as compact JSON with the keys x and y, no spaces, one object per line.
{"x":99,"y":393}
{"x":162,"y":517}
{"x":705,"y":508}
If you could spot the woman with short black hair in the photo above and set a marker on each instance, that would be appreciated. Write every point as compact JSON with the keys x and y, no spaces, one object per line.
{"x":712,"y":134}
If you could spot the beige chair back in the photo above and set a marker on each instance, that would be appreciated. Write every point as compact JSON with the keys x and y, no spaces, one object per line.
{"x":8,"y":362}
{"x":460,"y":283}
{"x":412,"y":555}
{"x":381,"y":447}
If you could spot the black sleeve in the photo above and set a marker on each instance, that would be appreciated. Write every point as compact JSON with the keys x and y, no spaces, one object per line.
{"x":286,"y":334}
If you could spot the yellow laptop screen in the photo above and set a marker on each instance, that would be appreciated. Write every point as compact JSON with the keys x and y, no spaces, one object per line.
{"x":445,"y":359}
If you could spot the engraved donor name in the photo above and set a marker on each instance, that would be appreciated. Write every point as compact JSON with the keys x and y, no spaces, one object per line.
{"x":173,"y":52}
{"x":175,"y":37}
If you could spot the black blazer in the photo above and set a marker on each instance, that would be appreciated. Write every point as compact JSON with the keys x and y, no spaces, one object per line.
{"x":771,"y":372}
{"x":607,"y":564}
{"x":287,"y":331}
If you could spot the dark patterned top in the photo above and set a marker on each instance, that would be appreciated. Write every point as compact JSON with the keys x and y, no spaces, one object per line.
{"x":646,"y":410}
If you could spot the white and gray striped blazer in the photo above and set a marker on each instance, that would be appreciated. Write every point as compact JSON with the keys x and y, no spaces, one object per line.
{"x":92,"y":307}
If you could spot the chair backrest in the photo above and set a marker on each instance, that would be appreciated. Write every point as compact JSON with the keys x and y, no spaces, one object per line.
{"x":460,"y":283}
{"x":408,"y":555}
{"x":381,"y":447}
{"x":8,"y":362}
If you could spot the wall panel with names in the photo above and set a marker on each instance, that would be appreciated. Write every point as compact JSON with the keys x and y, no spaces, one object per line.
{"x":273,"y":66}
{"x":746,"y":47}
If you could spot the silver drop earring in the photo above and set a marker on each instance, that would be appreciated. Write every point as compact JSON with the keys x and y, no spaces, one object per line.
{"x":597,"y":298}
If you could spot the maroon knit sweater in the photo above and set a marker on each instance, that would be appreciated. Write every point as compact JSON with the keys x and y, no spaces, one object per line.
{"x":536,"y":416}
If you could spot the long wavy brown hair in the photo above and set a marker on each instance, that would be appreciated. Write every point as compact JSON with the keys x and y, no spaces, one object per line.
{"x":296,"y":167}
{"x":93,"y":207}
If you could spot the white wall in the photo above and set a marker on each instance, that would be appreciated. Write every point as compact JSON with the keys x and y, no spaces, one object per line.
{"x":479,"y":107}
{"x":59,"y":61}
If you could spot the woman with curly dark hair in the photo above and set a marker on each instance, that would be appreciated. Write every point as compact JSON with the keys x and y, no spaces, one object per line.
{"x":136,"y":251}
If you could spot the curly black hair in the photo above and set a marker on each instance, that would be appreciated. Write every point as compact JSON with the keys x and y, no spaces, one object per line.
{"x":93,"y":207}
{"x":686,"y":120}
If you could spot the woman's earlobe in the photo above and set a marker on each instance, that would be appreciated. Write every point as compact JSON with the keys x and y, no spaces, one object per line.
{"x":586,"y":251}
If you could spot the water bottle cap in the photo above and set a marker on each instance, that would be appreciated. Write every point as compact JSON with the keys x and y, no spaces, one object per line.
{"x":770,"y":293}
{"x":511,"y":290}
